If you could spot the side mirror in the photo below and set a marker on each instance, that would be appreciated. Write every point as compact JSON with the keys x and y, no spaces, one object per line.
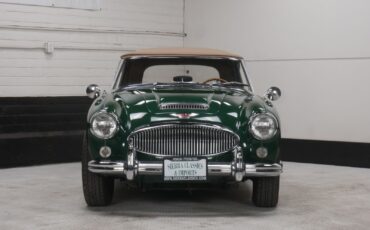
{"x":273,"y":93}
{"x":93,"y":91}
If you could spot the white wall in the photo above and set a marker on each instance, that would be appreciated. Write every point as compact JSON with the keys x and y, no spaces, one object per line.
{"x":88,"y":39}
{"x":316,"y":51}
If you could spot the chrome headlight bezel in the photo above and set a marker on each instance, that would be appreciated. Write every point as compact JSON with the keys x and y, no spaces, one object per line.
{"x":93,"y":128}
{"x":254,"y":131}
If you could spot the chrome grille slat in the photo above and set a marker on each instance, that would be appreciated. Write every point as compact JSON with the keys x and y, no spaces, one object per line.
{"x":187,"y":106}
{"x":184,"y":140}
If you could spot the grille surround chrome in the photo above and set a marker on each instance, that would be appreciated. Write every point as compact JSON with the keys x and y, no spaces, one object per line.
{"x":190,"y":106}
{"x":202,"y":144}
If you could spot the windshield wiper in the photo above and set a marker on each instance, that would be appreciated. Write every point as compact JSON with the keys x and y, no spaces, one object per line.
{"x":232,"y":83}
{"x":180,"y":84}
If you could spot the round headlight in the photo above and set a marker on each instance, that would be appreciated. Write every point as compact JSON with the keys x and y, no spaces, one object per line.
{"x":263,"y":126}
{"x":104,"y":125}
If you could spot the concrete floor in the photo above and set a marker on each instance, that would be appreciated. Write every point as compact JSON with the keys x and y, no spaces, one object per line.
{"x":311,"y":197}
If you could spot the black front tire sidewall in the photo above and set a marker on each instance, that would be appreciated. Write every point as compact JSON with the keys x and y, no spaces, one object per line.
{"x":98,"y":190}
{"x":266,"y":191}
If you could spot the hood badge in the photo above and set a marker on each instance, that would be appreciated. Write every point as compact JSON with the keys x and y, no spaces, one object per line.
{"x":184,"y":115}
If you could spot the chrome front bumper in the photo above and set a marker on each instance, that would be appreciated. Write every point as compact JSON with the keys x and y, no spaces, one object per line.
{"x":226,"y":169}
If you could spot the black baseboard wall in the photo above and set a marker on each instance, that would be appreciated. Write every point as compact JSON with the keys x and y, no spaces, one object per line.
{"x":39,"y":150}
{"x":41,"y":130}
{"x":326,"y":152}
{"x":45,"y":130}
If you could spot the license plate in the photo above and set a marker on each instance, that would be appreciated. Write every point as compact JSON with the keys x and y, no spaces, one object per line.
{"x":185,"y":169}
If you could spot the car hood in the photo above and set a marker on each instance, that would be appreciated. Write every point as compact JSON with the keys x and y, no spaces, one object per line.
{"x":226,"y":107}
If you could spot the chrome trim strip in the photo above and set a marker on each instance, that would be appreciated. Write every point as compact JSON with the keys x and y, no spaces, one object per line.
{"x":154,"y":168}
{"x":257,"y":170}
{"x":219,"y":169}
{"x":106,"y":167}
{"x":150,"y":168}
{"x":117,"y":75}
{"x":249,"y":81}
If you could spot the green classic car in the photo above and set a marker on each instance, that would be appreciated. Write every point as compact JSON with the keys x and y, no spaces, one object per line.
{"x":181,"y":118}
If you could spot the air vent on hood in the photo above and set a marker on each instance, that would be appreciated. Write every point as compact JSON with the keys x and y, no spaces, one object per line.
{"x":193,"y":106}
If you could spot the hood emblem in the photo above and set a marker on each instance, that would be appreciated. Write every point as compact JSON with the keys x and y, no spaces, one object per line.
{"x":184,"y":115}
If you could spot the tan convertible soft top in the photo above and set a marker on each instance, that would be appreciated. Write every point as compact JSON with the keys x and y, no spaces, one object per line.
{"x":180,"y":52}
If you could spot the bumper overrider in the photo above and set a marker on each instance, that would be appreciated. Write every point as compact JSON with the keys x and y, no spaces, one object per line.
{"x":132,"y":168}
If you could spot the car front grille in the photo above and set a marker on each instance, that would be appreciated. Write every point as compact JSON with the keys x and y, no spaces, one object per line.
{"x":183,"y":140}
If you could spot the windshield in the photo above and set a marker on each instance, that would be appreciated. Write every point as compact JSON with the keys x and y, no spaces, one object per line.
{"x":208,"y":71}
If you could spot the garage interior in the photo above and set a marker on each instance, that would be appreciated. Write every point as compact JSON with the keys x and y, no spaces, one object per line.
{"x":316,"y":52}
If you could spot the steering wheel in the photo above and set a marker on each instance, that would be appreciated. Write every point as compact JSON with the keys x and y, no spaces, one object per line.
{"x":214,"y":79}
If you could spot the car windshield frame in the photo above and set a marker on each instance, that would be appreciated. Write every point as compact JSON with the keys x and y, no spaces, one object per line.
{"x":245,"y":82}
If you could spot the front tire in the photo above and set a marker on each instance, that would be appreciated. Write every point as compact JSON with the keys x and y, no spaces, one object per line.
{"x":98,"y":190}
{"x":266,"y":191}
